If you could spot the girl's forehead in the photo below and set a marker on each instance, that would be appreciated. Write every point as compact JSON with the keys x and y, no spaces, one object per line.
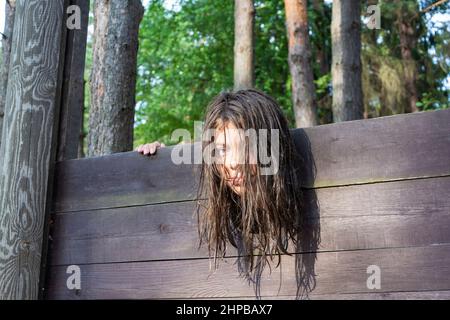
{"x":229,"y":133}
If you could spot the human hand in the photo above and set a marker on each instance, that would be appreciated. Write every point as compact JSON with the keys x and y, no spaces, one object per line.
{"x":150,"y":148}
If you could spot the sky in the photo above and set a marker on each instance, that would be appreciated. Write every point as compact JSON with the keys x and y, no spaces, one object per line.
{"x":171,"y":4}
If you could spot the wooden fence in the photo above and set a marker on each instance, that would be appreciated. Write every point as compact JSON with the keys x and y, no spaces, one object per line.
{"x":377,"y":193}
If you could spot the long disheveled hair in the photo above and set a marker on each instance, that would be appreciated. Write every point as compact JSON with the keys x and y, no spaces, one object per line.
{"x":262,"y":220}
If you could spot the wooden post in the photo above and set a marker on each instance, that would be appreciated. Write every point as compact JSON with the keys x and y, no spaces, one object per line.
{"x":10,"y":9}
{"x":30,"y":131}
{"x":73,"y":87}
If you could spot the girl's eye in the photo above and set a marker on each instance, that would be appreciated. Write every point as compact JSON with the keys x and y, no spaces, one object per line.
{"x":220,"y":151}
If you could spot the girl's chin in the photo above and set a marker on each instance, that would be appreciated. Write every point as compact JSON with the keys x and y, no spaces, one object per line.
{"x":236,"y":189}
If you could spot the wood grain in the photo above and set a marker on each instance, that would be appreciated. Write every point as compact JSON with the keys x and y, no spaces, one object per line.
{"x":354,"y":152}
{"x":397,"y":147}
{"x":393,"y":214}
{"x":6,"y":40}
{"x":28,"y":151}
{"x":122,"y":179}
{"x":404,"y":295}
{"x":402,"y":269}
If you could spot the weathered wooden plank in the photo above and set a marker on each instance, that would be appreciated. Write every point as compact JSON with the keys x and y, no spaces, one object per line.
{"x":73,"y":84}
{"x":121,"y":179}
{"x":405,"y":295}
{"x":344,"y":153}
{"x":402,"y":269}
{"x":392,"y":214}
{"x":6,"y":40}
{"x":28,"y":151}
{"x":382,"y":149}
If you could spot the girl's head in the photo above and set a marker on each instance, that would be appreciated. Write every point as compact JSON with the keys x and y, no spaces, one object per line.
{"x":252,"y":191}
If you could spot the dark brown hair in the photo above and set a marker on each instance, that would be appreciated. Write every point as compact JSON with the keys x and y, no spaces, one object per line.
{"x":265,"y":217}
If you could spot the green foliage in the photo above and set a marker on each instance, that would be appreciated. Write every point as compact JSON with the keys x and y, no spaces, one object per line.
{"x":271,"y":52}
{"x":323,"y":83}
{"x":185,"y":59}
{"x":383,"y":68}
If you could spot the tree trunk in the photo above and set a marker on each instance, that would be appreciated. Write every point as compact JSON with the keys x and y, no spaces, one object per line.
{"x":303,"y":89}
{"x":244,"y":16}
{"x":29,"y":145}
{"x":321,"y":58}
{"x":10,"y":9}
{"x":82,"y":136}
{"x":346,"y":60}
{"x":113,"y":78}
{"x":408,"y":40}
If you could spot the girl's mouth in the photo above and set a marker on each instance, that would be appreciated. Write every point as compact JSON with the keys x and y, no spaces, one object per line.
{"x":235,"y":181}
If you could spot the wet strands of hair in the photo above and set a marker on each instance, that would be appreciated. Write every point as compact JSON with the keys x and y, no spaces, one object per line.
{"x":256,"y":213}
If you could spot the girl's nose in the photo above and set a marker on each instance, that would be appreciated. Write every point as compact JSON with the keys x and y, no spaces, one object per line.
{"x":233,"y":163}
{"x":235,"y":160}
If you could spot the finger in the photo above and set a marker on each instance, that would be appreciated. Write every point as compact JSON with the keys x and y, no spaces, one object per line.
{"x":146,"y":149}
{"x":156,"y":144}
{"x":152,"y":148}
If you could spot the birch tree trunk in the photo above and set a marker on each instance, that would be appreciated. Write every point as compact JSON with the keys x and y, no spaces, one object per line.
{"x":244,"y":16}
{"x":346,"y":60}
{"x":303,"y":89}
{"x":113,"y":78}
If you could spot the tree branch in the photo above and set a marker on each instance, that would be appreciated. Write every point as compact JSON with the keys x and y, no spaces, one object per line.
{"x":432,"y":6}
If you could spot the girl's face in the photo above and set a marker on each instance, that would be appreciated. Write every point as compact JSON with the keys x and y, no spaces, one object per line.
{"x":230,"y":151}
